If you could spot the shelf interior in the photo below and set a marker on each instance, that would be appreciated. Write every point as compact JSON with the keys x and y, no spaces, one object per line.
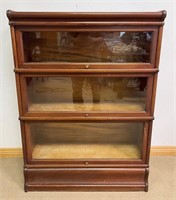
{"x":104,"y":47}
{"x":90,"y":94}
{"x":86,"y":140}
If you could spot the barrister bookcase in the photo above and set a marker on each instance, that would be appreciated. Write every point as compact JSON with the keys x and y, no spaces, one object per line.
{"x":86,"y":87}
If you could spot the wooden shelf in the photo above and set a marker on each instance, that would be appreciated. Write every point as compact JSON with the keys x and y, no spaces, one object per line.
{"x":83,"y":151}
{"x":120,"y":106}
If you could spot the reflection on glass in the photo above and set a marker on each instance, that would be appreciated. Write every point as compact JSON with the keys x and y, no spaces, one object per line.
{"x":117,"y":47}
{"x":86,"y":94}
{"x":86,"y":140}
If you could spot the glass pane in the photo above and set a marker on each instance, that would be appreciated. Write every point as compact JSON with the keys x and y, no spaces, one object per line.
{"x":116,"y":47}
{"x":94,"y":94}
{"x":86,"y":140}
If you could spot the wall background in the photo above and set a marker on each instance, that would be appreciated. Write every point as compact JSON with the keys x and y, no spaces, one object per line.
{"x":164,"y":123}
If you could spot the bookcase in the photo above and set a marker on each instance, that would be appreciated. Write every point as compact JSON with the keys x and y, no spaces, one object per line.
{"x":86,"y":87}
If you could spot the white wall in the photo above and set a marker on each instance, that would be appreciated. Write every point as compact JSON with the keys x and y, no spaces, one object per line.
{"x":163,"y":130}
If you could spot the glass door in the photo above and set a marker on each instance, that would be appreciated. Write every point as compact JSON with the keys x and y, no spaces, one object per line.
{"x":83,"y":93}
{"x":64,"y":46}
{"x":94,"y":140}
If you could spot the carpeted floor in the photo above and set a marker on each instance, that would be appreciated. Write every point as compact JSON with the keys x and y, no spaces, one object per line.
{"x":162,"y":184}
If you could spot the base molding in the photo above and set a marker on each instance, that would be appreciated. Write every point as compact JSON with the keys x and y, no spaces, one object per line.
{"x":86,"y":179}
{"x":11,"y":153}
{"x":163,"y":151}
{"x":155,"y":151}
{"x":100,"y":188}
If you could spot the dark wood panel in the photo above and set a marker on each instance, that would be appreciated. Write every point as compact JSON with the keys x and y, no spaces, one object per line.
{"x":87,"y":70}
{"x":93,"y":164}
{"x":87,"y":118}
{"x":106,"y":66}
{"x":100,"y":188}
{"x":121,"y":16}
{"x":82,"y":24}
{"x":85,"y":179}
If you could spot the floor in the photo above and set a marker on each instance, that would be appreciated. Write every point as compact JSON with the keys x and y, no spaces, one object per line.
{"x":162,"y":184}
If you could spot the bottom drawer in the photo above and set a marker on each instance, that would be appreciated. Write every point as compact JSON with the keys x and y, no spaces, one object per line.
{"x":98,"y":179}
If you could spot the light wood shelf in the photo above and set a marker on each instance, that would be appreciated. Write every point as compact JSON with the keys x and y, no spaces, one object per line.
{"x":72,"y":151}
{"x":113,"y":107}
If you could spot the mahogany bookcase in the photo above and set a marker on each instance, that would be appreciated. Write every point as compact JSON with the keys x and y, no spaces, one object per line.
{"x":86,"y":87}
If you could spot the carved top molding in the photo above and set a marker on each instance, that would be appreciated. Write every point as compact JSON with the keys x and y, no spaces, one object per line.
{"x":128,"y":18}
